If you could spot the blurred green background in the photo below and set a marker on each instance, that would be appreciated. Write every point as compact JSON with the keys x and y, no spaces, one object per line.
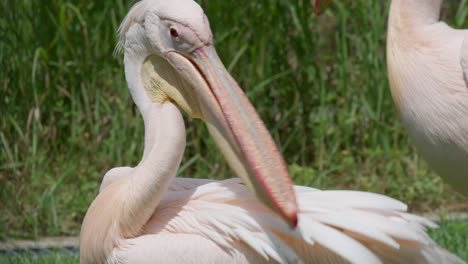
{"x":319,"y":83}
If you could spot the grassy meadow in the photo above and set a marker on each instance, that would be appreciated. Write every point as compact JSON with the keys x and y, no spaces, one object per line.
{"x":319,"y":83}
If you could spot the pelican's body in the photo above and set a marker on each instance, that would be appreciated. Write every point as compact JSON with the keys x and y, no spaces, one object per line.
{"x":144,"y":215}
{"x":206,"y":221}
{"x":427,"y":62}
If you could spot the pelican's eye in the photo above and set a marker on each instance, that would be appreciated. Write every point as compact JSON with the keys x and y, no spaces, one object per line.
{"x":174,"y":32}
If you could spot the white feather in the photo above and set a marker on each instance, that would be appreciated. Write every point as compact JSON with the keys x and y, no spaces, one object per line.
{"x":356,"y":226}
{"x":337,"y":241}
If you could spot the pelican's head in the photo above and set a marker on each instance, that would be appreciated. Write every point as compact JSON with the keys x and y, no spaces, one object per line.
{"x":320,"y":6}
{"x":170,"y":57}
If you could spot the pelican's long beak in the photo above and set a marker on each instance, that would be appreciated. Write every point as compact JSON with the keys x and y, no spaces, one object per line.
{"x":208,"y":91}
{"x":320,"y":6}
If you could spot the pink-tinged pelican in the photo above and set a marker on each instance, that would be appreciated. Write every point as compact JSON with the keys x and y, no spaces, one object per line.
{"x":144,"y":215}
{"x":428,"y":68}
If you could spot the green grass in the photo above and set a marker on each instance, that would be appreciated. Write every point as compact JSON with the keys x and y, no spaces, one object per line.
{"x":318,"y":83}
{"x":453,"y":237}
{"x":55,"y":258}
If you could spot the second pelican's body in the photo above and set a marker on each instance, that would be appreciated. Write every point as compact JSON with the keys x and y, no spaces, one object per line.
{"x":427,"y":68}
{"x":428,"y":73}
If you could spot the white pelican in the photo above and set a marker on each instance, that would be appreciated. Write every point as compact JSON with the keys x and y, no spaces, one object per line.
{"x":427,"y":61}
{"x":428,"y":68}
{"x":144,"y":215}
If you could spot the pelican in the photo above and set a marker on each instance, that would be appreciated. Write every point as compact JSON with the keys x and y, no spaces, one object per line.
{"x":427,"y":64}
{"x":145,"y":215}
{"x":427,"y":69}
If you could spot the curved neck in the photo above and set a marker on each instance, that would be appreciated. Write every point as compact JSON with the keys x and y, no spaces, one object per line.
{"x":123,"y":207}
{"x":135,"y":86}
{"x":164,"y":142}
{"x":134,"y":57}
{"x":409,"y":13}
{"x":164,"y":148}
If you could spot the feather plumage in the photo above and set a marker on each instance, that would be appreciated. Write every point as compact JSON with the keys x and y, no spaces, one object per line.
{"x":344,"y":226}
{"x":427,"y":73}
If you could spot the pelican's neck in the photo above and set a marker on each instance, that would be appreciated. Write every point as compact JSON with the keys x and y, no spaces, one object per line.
{"x":133,"y":64}
{"x":123,"y":207}
{"x":164,"y":148}
{"x":414,"y":13}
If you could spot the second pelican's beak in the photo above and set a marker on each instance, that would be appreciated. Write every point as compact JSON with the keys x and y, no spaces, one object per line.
{"x":320,"y":6}
{"x":199,"y":83}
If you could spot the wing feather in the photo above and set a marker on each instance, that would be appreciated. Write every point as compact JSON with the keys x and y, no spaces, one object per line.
{"x":354,"y":224}
{"x":334,"y":226}
{"x":338,"y":242}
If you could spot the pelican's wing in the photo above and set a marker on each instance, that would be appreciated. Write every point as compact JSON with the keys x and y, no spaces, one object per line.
{"x":464,"y":58}
{"x":334,"y":226}
{"x":181,"y":184}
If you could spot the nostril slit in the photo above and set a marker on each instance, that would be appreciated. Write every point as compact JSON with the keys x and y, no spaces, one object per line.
{"x":174,"y":32}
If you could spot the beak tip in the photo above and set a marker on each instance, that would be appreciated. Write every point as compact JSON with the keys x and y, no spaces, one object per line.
{"x":290,"y":215}
{"x":293,"y":220}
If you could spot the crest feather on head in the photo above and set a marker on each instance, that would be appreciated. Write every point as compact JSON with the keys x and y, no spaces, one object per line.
{"x":135,"y":15}
{"x":185,"y":12}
